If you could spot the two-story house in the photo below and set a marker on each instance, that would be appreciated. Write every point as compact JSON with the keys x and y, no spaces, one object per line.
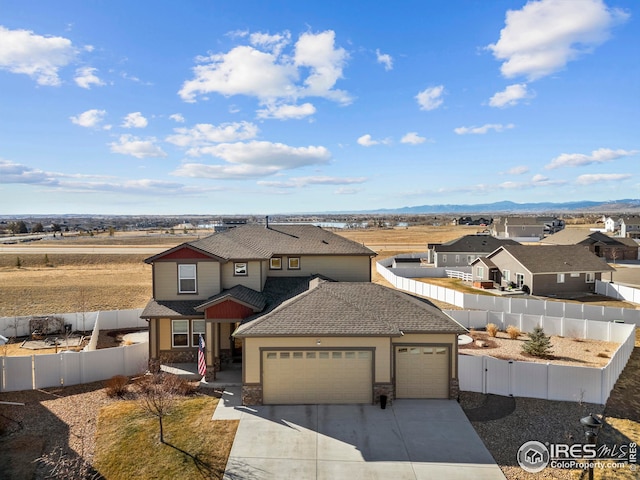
{"x":294,"y":304}
{"x":630,"y":226}
{"x":518,"y":227}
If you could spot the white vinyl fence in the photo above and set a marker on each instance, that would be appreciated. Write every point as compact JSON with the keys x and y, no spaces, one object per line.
{"x":620,"y":292}
{"x":80,"y":321}
{"x":524,"y":305}
{"x":485,"y":374}
{"x":71,"y":368}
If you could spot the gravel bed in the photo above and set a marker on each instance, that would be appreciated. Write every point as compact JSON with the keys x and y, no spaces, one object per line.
{"x":565,"y":351}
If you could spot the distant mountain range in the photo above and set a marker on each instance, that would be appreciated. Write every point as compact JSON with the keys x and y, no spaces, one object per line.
{"x":586,"y":206}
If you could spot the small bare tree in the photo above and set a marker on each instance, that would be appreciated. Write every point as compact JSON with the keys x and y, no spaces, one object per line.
{"x":157,"y":395}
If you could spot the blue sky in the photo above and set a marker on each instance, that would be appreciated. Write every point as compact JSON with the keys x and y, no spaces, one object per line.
{"x":212,"y":107}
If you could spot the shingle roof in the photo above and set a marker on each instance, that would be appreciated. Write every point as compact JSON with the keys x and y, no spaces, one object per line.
{"x":171,"y":309}
{"x":259,"y":242}
{"x":246,"y":295}
{"x":474,"y":243}
{"x":574,"y":236}
{"x":351,"y":309}
{"x":556,"y":258}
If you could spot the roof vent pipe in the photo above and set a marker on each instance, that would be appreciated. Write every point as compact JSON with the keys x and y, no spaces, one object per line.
{"x":266,"y":221}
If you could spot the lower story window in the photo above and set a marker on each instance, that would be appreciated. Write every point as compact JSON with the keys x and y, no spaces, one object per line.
{"x":590,"y":277}
{"x":197,"y":329}
{"x":180,"y":333}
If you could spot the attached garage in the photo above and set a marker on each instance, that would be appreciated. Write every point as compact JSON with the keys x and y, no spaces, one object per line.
{"x":422,"y":371}
{"x":317,"y":376}
{"x":349,"y":343}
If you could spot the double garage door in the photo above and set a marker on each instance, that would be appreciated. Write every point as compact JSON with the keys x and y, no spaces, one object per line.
{"x":346,"y":376}
{"x":317,"y":376}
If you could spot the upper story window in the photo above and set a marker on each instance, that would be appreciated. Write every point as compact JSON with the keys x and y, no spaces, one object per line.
{"x":240,"y":269}
{"x":294,"y":263}
{"x":187,"y":279}
{"x":275,"y":263}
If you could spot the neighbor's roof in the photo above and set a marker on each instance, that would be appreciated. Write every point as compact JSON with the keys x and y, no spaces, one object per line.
{"x":351,"y":309}
{"x":258,"y":242}
{"x":574,"y":236}
{"x":474,"y":244}
{"x":555,"y":258}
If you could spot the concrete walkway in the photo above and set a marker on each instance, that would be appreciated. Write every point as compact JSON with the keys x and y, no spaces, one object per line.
{"x":410,"y":440}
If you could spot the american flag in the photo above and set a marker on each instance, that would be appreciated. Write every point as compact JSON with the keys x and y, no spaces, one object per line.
{"x":202,"y":362}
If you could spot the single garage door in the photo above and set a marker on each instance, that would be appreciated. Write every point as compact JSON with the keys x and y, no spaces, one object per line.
{"x":422,"y":372}
{"x":318,"y":376}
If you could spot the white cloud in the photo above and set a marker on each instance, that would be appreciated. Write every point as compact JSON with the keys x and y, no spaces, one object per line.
{"x":177,"y":117}
{"x":11,"y":172}
{"x":298,"y":182}
{"x":134,"y":120}
{"x":274,"y":43}
{"x":89,"y":119}
{"x":602,"y":155}
{"x":204,"y":134}
{"x":347,"y":191}
{"x":130,"y":145}
{"x":430,"y":98}
{"x":518,"y":170}
{"x":413,"y":138}
{"x":590,"y":179}
{"x":510,"y":96}
{"x":368,"y":141}
{"x":543,"y":36}
{"x":285,"y":112}
{"x":253,"y":159}
{"x":385,"y":59}
{"x":86,"y":76}
{"x":40,"y":57}
{"x":496,"y":127}
{"x":270,"y":74}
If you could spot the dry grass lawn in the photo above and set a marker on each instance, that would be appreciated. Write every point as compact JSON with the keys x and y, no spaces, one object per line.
{"x":128,"y":445}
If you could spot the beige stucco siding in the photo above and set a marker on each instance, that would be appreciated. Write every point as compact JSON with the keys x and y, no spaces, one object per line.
{"x":253,"y":279}
{"x":336,"y":267}
{"x":440,"y":338}
{"x":164,"y":325}
{"x":381,"y":345}
{"x":165,"y":280}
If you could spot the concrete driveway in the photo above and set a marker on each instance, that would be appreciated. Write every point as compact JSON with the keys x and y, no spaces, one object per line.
{"x":413,"y":439}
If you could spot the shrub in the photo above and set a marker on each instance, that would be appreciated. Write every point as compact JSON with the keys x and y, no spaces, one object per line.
{"x":117,"y":386}
{"x":492,"y":329}
{"x":538,"y":345}
{"x":513,"y":332}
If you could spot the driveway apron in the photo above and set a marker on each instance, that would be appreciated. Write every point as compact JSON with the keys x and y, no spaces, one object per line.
{"x":410,"y":440}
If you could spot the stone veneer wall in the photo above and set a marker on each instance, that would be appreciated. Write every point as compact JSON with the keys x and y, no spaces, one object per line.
{"x":454,"y":388}
{"x":252,"y":394}
{"x":179,"y":356}
{"x":383,"y":389}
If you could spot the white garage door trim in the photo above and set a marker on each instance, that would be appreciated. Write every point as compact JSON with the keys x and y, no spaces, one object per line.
{"x":310,"y":376}
{"x":422,"y":370}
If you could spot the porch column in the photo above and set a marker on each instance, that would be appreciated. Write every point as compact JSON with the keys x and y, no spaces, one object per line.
{"x":216,"y":347}
{"x":208,"y":351}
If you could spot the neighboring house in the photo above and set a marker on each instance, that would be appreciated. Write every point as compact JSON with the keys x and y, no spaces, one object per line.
{"x":208,"y":286}
{"x":464,"y":250}
{"x":349,"y":343}
{"x":630,"y":226}
{"x":480,"y":221}
{"x":610,"y":248}
{"x":610,"y":224}
{"x":551,"y":224}
{"x":542,"y":270}
{"x":518,"y":227}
